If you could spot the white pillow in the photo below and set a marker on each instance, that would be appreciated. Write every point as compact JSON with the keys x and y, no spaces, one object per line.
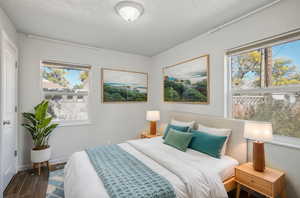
{"x":216,"y":131}
{"x":184,"y":124}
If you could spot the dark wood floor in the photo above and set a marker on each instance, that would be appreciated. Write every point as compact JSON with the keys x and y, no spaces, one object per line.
{"x":27,"y":184}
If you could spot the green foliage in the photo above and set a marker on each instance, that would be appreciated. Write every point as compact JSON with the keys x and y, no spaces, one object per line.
{"x":284,"y":115}
{"x":56,"y":76}
{"x":283,"y":70}
{"x":284,"y":73}
{"x":84,"y":75}
{"x":202,"y":87}
{"x":171,"y":94}
{"x":244,"y":63}
{"x":78,"y":86}
{"x":184,"y":91}
{"x":119,"y":94}
{"x":193,"y":95}
{"x":38,"y":124}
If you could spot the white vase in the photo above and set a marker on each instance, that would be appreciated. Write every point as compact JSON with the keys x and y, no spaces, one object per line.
{"x":42,"y":155}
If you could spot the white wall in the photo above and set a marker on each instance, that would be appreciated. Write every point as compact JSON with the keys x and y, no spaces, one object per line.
{"x":8,"y":27}
{"x":283,"y":17}
{"x":112,"y":123}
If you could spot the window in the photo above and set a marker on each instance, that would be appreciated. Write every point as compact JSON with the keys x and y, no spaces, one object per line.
{"x":66,"y":87}
{"x":265,"y":86}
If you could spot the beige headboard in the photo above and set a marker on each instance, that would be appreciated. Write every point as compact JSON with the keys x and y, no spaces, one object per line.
{"x":237,"y":144}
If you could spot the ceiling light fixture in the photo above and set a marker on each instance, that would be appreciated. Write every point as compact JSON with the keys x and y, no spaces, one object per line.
{"x":129,"y":10}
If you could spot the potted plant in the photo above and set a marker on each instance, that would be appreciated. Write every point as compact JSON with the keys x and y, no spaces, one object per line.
{"x":40,"y":127}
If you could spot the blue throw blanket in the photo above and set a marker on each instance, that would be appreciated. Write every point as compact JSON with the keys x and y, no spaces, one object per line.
{"x":124,"y":176}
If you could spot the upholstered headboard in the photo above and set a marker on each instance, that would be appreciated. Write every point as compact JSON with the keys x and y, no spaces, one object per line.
{"x":237,"y":144}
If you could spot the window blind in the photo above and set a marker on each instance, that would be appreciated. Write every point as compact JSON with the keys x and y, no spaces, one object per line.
{"x":266,"y":42}
{"x":62,"y":65}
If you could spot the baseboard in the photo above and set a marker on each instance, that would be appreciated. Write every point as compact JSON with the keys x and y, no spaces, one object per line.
{"x":24,"y":167}
{"x":59,"y":160}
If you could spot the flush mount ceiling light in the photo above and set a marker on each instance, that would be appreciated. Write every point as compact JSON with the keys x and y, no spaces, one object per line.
{"x":129,"y":10}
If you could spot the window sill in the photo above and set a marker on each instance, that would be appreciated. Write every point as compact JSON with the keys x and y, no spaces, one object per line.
{"x":73,"y":123}
{"x":284,"y":141}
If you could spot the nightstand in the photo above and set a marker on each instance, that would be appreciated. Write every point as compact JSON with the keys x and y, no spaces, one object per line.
{"x":269,"y":183}
{"x":147,"y":135}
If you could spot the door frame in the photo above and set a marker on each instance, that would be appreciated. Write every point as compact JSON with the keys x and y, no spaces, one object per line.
{"x":4,"y":40}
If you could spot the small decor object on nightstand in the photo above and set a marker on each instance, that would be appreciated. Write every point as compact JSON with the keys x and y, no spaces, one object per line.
{"x":269,"y":183}
{"x":260,"y":132}
{"x":146,"y":135}
{"x":153,"y":116}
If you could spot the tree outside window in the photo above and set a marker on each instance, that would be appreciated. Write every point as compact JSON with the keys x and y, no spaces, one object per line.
{"x":66,"y":87}
{"x":266,"y":87}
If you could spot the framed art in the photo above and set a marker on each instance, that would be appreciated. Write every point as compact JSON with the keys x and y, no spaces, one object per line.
{"x":187,"y":81}
{"x":124,"y":86}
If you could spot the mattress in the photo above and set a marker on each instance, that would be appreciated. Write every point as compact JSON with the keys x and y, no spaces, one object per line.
{"x":81,"y":180}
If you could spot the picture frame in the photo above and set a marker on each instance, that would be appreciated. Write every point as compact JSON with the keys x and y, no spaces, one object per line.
{"x":187,"y":81}
{"x":124,"y":86}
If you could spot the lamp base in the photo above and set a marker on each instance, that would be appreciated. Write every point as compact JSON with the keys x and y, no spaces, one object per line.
{"x":258,"y":156}
{"x":153,"y":128}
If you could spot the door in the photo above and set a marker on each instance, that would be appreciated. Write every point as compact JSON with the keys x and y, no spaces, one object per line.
{"x":8,"y":111}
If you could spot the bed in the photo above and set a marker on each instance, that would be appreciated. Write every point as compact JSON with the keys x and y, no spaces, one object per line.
{"x":191,"y":173}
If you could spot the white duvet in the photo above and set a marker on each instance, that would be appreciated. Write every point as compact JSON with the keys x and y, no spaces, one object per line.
{"x":192,"y":174}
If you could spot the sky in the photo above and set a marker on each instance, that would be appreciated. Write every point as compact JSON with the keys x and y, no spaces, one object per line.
{"x":73,"y":76}
{"x":126,"y":78}
{"x":191,"y":70}
{"x":289,"y":50}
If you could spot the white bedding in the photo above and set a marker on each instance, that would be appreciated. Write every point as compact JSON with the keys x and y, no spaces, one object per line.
{"x":179,"y":168}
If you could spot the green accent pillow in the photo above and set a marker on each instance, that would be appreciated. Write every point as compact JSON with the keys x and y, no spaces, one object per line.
{"x":207,"y":143}
{"x":177,"y":128}
{"x":178,"y":140}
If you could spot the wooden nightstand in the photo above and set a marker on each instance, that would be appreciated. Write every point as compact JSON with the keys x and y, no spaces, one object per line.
{"x":269,"y":183}
{"x":146,"y":135}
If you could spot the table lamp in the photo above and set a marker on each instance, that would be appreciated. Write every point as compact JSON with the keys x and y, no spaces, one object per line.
{"x":153,"y":116}
{"x":259,"y":132}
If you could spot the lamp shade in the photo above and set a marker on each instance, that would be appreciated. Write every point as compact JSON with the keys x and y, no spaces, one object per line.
{"x":153,"y":115}
{"x":261,"y":131}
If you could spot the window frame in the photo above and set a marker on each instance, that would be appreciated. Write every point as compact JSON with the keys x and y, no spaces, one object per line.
{"x":66,"y":123}
{"x":286,"y":141}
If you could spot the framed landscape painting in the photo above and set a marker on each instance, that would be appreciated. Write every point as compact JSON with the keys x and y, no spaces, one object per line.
{"x":124,"y":86}
{"x":187,"y":81}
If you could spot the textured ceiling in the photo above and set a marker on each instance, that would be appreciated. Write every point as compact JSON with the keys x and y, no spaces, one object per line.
{"x":164,"y":24}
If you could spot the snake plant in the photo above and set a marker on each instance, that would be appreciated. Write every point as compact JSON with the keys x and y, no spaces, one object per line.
{"x":39,"y":125}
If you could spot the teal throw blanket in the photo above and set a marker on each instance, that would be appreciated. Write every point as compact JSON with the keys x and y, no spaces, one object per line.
{"x":124,"y":176}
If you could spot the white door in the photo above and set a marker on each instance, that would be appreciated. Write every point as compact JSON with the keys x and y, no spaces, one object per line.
{"x":8,"y":111}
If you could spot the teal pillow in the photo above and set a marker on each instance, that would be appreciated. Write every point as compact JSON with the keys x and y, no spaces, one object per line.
{"x":207,"y":143}
{"x":178,"y":140}
{"x":178,"y":128}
